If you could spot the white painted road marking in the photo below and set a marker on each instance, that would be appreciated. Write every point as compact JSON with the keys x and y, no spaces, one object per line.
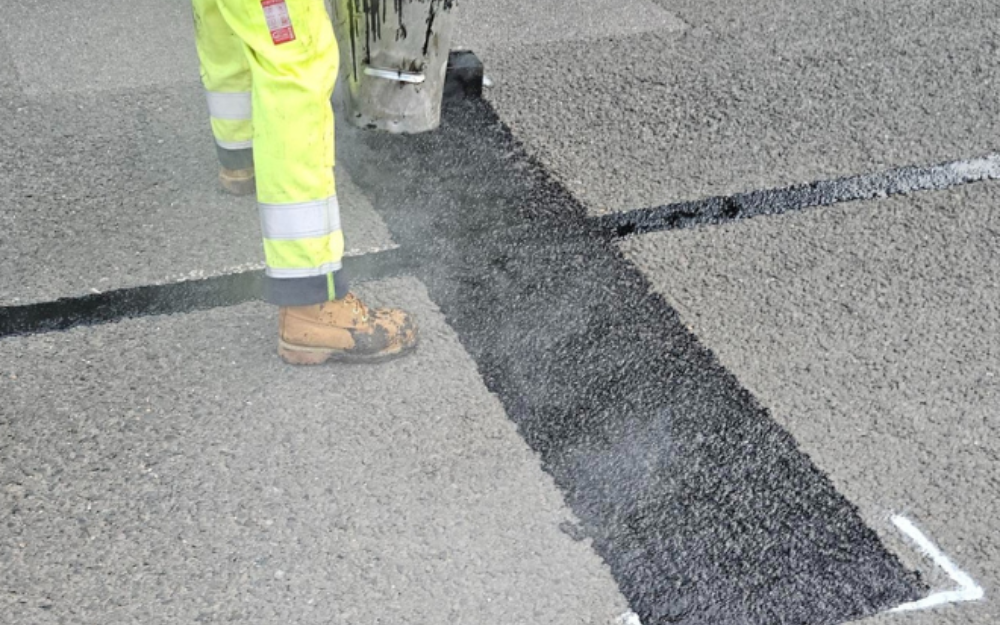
{"x":967,"y":589}
{"x":629,"y":618}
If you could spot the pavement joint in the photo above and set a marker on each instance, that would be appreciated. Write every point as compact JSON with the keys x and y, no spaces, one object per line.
{"x":185,"y":296}
{"x":723,"y":209}
{"x":236,"y":287}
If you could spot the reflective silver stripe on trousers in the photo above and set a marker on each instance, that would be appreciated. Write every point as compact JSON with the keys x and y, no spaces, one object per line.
{"x":234,"y":106}
{"x":305,"y":220}
{"x":234,"y":145}
{"x":304,"y":273}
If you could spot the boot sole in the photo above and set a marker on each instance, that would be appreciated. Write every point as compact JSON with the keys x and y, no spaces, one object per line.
{"x":311,"y":356}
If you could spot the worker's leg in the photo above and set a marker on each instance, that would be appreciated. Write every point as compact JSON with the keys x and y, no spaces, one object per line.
{"x":294,"y":72}
{"x":225,"y":73}
{"x":293,"y":57}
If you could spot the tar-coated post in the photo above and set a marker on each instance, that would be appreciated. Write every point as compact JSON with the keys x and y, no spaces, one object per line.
{"x":394,"y":58}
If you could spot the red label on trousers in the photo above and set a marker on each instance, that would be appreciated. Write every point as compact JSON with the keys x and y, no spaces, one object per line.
{"x":278,"y":22}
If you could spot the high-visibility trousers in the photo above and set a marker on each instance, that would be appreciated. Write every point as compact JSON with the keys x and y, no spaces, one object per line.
{"x":269,"y":69}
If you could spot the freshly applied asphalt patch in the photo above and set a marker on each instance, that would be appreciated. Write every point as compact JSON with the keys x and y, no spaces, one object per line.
{"x":704,"y":508}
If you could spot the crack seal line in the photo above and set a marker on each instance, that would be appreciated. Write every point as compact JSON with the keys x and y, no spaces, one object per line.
{"x":178,"y":297}
{"x":723,"y":209}
{"x":237,"y":288}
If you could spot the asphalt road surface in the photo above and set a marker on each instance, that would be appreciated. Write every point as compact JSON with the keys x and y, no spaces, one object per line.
{"x":709,"y":302}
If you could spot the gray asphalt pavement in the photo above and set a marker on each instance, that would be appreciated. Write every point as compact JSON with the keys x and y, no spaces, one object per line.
{"x":171,"y":470}
{"x":495,"y":30}
{"x":94,"y":45}
{"x":136,"y":171}
{"x":753,"y":96}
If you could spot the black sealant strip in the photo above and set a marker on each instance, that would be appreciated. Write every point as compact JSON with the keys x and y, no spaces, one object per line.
{"x":718,"y":210}
{"x":167,"y":299}
{"x":703,"y":507}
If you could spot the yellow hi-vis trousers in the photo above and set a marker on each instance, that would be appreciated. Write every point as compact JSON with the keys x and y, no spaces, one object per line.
{"x":269,"y":68}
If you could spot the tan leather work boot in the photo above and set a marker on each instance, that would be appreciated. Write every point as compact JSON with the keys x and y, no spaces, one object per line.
{"x":343,"y":330}
{"x":238,"y":181}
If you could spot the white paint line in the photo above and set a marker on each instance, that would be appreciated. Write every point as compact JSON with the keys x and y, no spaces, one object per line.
{"x":984,"y":168}
{"x":967,"y":589}
{"x":201,"y":274}
{"x":629,"y":618}
{"x":364,"y":251}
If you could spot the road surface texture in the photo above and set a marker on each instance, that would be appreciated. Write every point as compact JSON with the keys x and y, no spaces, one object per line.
{"x":643,"y":395}
{"x":880,"y":356}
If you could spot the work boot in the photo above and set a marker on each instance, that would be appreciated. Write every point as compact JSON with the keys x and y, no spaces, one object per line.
{"x":238,"y":181}
{"x":343,"y":330}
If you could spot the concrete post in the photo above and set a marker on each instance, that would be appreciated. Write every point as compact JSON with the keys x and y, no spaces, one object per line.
{"x":394,"y":56}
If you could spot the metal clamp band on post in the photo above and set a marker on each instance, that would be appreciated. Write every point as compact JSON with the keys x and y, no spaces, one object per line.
{"x":397,"y":75}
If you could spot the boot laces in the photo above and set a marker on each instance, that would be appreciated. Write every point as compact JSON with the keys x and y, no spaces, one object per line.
{"x":357,"y":307}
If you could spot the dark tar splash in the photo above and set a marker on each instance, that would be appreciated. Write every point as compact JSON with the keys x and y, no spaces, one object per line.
{"x":431,"y":14}
{"x":352,"y":16}
{"x":375,"y":17}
